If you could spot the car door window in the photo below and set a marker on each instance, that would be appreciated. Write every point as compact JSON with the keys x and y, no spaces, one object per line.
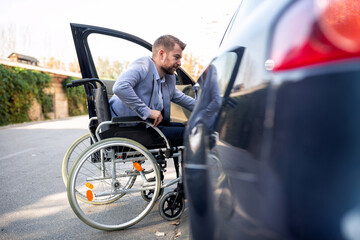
{"x":224,"y":66}
{"x":112,"y":55}
{"x":215,"y":84}
{"x":246,"y":7}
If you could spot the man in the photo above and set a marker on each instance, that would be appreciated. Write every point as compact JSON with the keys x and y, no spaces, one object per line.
{"x":148,"y":86}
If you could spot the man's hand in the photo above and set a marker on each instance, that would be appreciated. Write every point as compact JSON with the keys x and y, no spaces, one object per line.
{"x":156,"y":115}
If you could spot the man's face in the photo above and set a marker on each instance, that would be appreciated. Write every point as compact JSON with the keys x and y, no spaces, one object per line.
{"x":172,"y":60}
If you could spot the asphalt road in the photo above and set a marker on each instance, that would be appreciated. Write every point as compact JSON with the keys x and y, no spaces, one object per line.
{"x":33,"y":199}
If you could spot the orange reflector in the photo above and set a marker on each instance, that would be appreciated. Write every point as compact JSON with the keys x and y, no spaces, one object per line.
{"x":137,"y":166}
{"x":89,"y":195}
{"x":89,"y":185}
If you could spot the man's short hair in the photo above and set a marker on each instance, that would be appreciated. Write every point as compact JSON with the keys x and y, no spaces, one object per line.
{"x":168,"y":43}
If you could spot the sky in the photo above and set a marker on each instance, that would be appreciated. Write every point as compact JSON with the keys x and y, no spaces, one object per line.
{"x":42,"y":27}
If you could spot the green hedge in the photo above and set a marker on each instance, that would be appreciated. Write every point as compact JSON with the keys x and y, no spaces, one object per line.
{"x":76,"y":98}
{"x":18,"y":88}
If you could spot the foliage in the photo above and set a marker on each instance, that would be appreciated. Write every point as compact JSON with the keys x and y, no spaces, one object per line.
{"x":192,"y":66}
{"x":110,"y":70}
{"x":46,"y":103}
{"x":74,"y":66}
{"x":76,"y":96}
{"x":18,"y":88}
{"x":53,"y":63}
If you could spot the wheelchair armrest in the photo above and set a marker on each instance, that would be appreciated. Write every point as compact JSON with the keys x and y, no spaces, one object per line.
{"x":127,"y":120}
{"x":79,"y":82}
{"x":133,"y":119}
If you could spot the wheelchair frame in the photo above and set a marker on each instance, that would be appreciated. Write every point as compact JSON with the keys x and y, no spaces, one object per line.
{"x":105,"y":153}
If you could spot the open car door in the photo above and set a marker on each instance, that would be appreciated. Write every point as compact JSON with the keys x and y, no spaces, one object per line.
{"x":105,"y":53}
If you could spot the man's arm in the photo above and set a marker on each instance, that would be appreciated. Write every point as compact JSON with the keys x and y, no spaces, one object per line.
{"x":183,"y":100}
{"x":124,"y":89}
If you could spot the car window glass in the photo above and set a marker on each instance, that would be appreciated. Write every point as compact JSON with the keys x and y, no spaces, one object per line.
{"x":246,"y":7}
{"x":247,"y":77}
{"x":112,"y":55}
{"x":224,"y":66}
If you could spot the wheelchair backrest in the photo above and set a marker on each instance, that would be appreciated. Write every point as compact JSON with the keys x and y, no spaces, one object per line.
{"x":109,"y":86}
{"x":101,"y":103}
{"x":97,"y":98}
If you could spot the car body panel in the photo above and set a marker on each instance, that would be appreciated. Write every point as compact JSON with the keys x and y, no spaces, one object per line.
{"x":283,"y":147}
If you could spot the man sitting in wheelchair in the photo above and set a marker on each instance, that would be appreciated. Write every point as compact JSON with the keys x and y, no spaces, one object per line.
{"x":148,"y":86}
{"x":118,"y":179}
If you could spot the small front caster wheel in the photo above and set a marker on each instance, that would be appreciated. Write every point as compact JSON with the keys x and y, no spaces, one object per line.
{"x":171,"y":206}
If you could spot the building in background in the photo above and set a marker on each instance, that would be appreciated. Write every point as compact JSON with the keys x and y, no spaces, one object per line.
{"x":20,"y":58}
{"x":60,"y":102}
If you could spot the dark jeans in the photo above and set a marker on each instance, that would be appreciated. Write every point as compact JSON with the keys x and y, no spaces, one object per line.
{"x":174,"y":132}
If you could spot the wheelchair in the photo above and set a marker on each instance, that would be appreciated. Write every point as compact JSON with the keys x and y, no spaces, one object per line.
{"x":118,"y":175}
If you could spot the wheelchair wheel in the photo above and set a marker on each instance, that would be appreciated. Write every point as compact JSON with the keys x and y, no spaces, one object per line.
{"x":171,"y":206}
{"x":113,"y":171}
{"x":73,"y":153}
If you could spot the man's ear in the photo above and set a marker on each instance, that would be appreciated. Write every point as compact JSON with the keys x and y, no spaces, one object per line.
{"x":162,"y":54}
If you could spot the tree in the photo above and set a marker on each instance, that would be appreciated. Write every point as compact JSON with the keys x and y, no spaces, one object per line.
{"x":110,"y":70}
{"x":7,"y":40}
{"x":192,"y":65}
{"x":117,"y":68}
{"x":74,"y":66}
{"x":54,"y":63}
{"x":103,"y":68}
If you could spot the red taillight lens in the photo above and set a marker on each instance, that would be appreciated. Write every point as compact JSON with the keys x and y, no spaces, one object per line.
{"x":340,"y":21}
{"x":312,"y":32}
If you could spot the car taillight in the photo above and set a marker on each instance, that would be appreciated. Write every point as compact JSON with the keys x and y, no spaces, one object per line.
{"x":316,"y":31}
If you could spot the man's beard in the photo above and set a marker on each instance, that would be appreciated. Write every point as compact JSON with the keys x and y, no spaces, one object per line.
{"x":169,"y":70}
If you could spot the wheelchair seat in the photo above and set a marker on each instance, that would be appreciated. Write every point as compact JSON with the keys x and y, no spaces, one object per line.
{"x":146,"y":136}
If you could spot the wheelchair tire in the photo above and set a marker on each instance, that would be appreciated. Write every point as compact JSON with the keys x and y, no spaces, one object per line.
{"x":113,"y":180}
{"x":73,"y":153}
{"x":171,"y":206}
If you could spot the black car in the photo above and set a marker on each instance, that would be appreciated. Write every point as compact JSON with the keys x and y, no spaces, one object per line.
{"x":273,"y":144}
